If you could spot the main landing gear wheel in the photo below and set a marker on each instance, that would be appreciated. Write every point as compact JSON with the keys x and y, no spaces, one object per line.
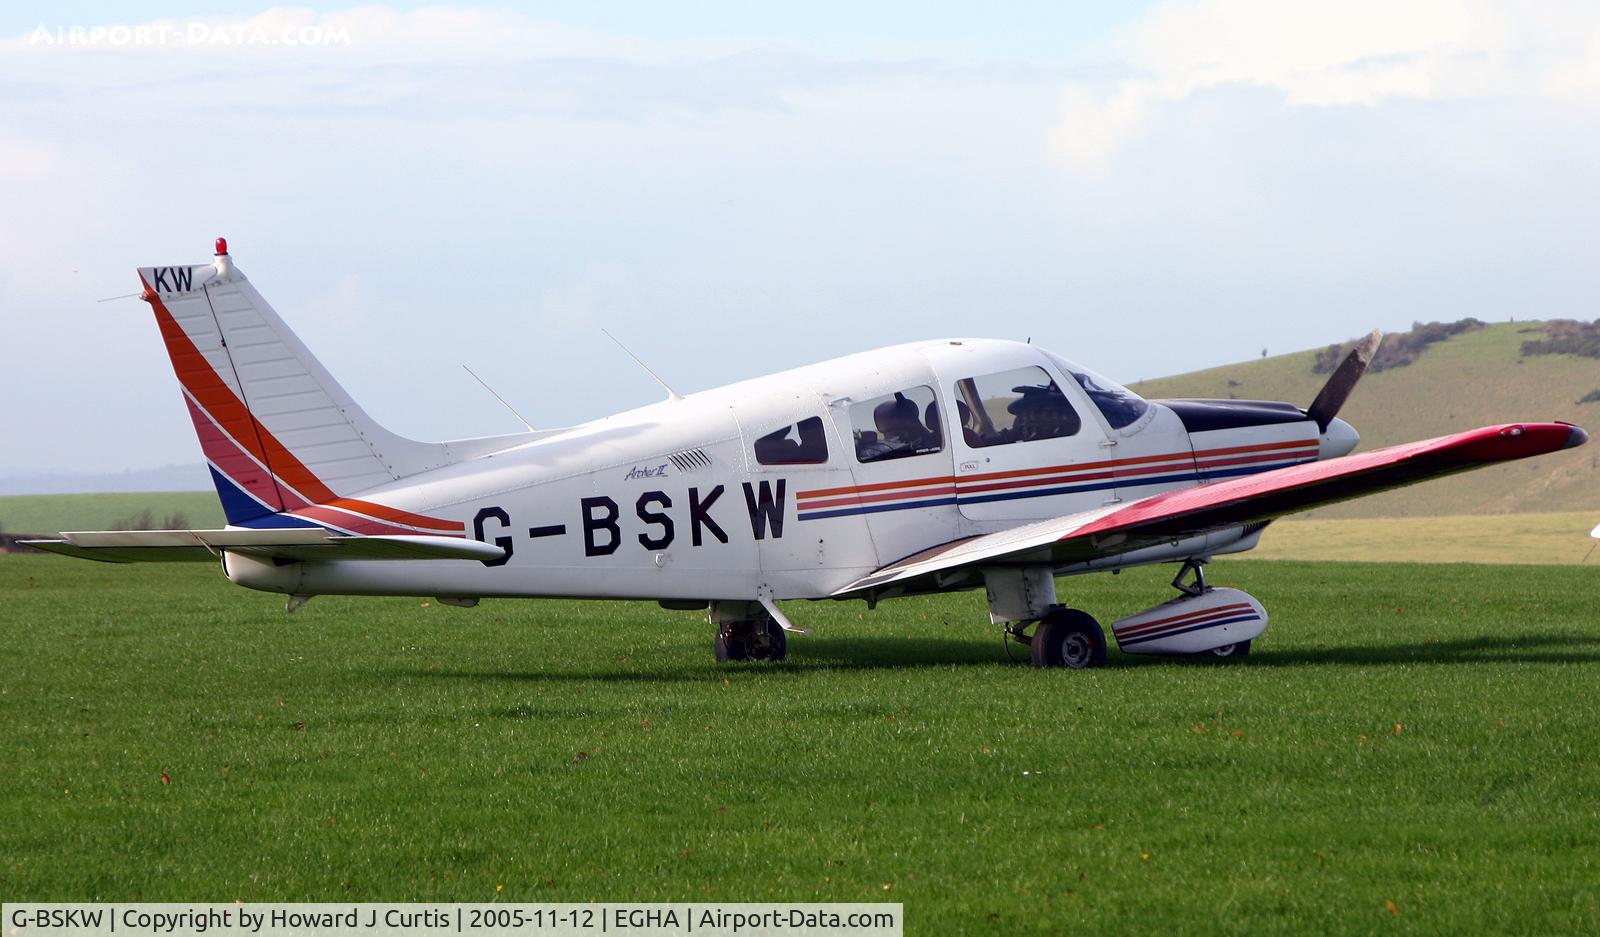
{"x":1068,"y":637}
{"x":1228,"y":651}
{"x":751,"y":639}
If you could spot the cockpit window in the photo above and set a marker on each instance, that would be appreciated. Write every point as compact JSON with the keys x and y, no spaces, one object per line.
{"x":802,"y":443}
{"x":1019,"y":405}
{"x":897,"y":425}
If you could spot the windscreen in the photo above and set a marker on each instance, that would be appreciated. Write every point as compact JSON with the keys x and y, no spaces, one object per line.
{"x":1120,"y":406}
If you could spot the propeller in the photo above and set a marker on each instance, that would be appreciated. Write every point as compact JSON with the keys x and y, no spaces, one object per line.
{"x":1337,"y":390}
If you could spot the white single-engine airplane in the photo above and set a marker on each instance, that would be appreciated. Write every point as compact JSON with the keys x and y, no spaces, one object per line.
{"x":928,"y":467}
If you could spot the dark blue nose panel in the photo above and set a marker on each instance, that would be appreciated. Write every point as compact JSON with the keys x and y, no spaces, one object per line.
{"x":1200,"y":416}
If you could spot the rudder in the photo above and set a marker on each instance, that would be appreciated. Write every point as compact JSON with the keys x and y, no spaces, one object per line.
{"x":279,"y":433}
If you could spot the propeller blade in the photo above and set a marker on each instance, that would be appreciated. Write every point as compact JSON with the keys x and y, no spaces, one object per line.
{"x":1337,"y":390}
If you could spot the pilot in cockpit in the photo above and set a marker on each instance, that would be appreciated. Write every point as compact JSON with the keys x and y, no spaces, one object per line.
{"x":1042,"y":413}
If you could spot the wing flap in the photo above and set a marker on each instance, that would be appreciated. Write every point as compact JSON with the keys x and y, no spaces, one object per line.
{"x":295,"y":544}
{"x":1191,"y":512}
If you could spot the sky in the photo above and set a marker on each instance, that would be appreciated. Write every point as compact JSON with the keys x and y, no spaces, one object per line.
{"x":731,"y":189}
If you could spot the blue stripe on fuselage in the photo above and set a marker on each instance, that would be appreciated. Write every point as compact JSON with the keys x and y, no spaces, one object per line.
{"x":1125,"y":483}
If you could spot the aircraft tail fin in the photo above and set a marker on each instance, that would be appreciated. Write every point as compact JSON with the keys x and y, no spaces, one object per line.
{"x":279,"y":433}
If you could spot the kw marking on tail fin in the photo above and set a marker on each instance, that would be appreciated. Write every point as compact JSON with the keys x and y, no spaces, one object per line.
{"x":182,"y":279}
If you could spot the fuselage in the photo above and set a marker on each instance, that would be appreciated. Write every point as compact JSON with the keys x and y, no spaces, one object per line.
{"x":803,"y":481}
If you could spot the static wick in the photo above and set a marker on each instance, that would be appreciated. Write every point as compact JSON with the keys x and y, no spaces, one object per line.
{"x":671,"y":394}
{"x":503,"y":401}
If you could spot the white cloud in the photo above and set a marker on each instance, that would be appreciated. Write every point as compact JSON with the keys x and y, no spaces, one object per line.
{"x":347,"y":307}
{"x":1352,"y":53}
{"x":482,"y":187}
{"x":26,"y":159}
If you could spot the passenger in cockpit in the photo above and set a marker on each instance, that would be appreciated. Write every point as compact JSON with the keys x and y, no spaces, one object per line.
{"x":900,"y":431}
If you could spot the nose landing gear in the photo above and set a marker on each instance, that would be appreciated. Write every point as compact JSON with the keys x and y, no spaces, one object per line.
{"x":750,"y":639}
{"x":746,"y":631}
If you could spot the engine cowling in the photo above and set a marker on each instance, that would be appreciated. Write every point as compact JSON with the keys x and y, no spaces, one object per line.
{"x":1191,"y":624}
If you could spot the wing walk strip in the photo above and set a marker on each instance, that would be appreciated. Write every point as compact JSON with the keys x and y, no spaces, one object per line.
{"x":243,"y":452}
{"x":1053,"y":480}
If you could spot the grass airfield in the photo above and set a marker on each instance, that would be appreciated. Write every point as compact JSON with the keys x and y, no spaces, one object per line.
{"x":1551,"y":538}
{"x":1411,"y":749}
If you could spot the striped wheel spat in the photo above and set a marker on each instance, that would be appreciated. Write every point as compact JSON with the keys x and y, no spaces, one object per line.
{"x":1186,"y":622}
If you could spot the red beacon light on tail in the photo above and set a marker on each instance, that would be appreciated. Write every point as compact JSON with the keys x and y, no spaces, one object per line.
{"x":223,"y":262}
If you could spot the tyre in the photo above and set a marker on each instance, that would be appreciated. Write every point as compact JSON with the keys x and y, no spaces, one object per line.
{"x":1228,"y":651}
{"x":1068,"y":637}
{"x":761,"y":639}
{"x":768,"y":641}
{"x":732,"y":641}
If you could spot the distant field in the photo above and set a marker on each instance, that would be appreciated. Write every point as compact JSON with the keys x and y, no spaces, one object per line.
{"x":1507,"y":538}
{"x":1411,"y":748}
{"x":1475,"y":379}
{"x":51,"y":514}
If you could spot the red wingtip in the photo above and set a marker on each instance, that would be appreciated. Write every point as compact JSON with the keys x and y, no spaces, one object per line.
{"x":222,"y":246}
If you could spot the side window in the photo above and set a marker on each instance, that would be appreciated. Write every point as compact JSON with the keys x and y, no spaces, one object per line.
{"x":897,"y":425}
{"x":1019,"y":405}
{"x":802,"y":443}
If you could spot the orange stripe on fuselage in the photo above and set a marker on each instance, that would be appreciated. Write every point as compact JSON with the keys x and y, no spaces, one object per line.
{"x":1108,"y":468}
{"x":384,"y":512}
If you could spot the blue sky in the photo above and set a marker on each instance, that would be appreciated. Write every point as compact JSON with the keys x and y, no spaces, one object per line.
{"x":733,"y":190}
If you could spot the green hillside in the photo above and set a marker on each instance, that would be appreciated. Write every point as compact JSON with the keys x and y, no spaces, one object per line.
{"x":1473,"y":379}
{"x":51,"y":514}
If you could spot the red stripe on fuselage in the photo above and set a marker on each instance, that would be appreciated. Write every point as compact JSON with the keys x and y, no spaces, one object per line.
{"x":1056,"y":474}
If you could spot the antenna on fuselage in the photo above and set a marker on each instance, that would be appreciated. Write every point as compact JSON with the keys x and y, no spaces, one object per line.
{"x":499,"y":398}
{"x":671,"y":394}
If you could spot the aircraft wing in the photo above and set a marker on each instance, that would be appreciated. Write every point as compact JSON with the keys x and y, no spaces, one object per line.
{"x":307,"y":544}
{"x":1190,"y":512}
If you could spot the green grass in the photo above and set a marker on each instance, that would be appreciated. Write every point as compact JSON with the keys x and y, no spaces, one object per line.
{"x":51,"y":514}
{"x":1421,"y":736}
{"x":1475,"y":379}
{"x":1474,"y":538}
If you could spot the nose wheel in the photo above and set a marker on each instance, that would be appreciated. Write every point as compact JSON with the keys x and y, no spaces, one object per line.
{"x":750,"y":639}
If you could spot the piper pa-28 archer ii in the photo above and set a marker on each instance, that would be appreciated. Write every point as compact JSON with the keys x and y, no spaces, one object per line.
{"x":927,"y":467}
